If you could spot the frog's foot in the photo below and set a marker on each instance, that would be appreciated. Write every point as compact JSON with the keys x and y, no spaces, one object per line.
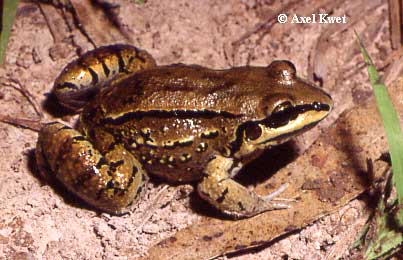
{"x":231,"y":197}
{"x":110,"y":182}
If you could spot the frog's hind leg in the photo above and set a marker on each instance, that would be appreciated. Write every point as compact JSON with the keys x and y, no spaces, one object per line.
{"x":110,"y":182}
{"x":84,"y":77}
{"x":230,"y":197}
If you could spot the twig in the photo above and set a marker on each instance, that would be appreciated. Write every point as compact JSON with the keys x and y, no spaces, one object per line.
{"x":52,"y":29}
{"x":349,"y":73}
{"x":34,"y":125}
{"x":395,"y":23}
{"x":111,"y":14}
{"x":20,"y":88}
{"x":79,"y":25}
{"x":392,"y":57}
{"x":65,"y":8}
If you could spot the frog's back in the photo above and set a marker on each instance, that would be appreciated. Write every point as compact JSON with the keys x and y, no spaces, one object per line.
{"x":189,"y":87}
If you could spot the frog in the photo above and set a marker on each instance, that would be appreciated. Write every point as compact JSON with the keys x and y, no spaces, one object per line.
{"x":181,"y":123}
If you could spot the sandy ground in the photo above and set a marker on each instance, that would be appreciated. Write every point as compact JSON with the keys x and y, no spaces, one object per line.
{"x":39,"y":221}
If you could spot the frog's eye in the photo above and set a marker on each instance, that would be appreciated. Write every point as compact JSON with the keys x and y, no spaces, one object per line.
{"x":284,"y":71}
{"x":282,"y":106}
{"x":253,"y":131}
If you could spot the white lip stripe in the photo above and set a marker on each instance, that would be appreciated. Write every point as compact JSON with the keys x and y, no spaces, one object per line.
{"x":269,"y":135}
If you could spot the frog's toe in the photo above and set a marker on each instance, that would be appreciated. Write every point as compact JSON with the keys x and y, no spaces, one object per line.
{"x":274,"y":194}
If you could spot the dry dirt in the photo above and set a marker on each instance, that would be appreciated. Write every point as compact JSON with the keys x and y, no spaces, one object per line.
{"x":39,"y":221}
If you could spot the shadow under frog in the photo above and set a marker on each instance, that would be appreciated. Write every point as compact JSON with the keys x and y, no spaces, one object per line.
{"x":183,"y":123}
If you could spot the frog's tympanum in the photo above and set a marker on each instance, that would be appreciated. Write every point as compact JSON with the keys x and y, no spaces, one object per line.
{"x":184,"y":123}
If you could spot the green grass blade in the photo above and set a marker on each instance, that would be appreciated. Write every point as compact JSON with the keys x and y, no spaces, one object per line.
{"x":387,"y":237}
{"x":8,"y":15}
{"x":391,"y":124}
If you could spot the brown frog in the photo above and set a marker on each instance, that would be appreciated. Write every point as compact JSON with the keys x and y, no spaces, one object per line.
{"x":184,"y":123}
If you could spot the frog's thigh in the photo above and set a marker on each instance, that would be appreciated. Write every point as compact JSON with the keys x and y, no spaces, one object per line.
{"x":110,"y":182}
{"x":81,"y":79}
{"x":229,"y":196}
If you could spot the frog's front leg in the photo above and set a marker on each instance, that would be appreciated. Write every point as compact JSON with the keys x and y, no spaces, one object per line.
{"x":110,"y":181}
{"x":230,"y":197}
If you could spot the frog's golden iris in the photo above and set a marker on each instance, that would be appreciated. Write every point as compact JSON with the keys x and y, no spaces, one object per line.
{"x":181,"y":122}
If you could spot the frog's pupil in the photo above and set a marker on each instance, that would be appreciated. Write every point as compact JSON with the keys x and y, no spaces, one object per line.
{"x":253,"y":131}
